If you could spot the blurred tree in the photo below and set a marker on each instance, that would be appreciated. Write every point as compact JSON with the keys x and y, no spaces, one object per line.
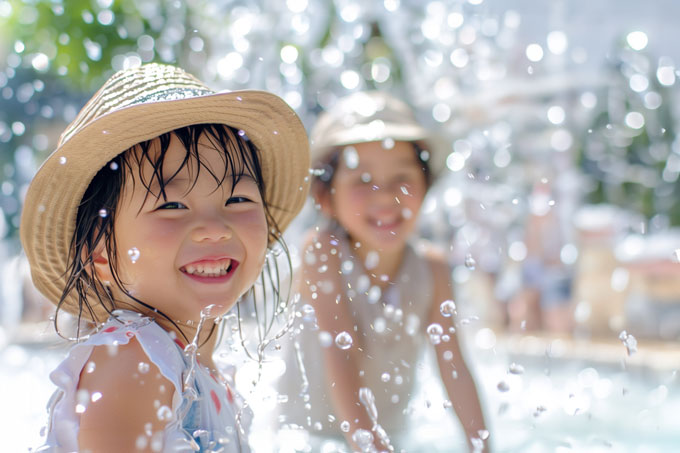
{"x":630,"y":152}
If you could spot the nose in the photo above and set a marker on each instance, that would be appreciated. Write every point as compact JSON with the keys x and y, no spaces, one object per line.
{"x":212,"y":230}
{"x":386,"y":194}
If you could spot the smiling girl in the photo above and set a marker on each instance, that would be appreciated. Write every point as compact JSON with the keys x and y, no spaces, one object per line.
{"x":149,"y":221}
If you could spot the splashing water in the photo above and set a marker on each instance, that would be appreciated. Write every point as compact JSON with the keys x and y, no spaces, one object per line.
{"x":304,"y":385}
{"x":133,"y":254}
{"x":364,"y":440}
{"x":343,"y":340}
{"x":629,"y":342}
{"x":189,"y":394}
{"x":367,"y":398}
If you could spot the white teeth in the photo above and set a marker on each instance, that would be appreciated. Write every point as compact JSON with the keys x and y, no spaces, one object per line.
{"x":208,"y":270}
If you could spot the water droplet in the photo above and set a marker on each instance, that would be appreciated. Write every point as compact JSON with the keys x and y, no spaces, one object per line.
{"x":103,"y":213}
{"x":470,"y":262}
{"x":374,"y":294}
{"x":388,"y":143}
{"x":141,"y":442}
{"x":90,"y":367}
{"x":239,"y":98}
{"x":113,"y":166}
{"x":347,"y":266}
{"x":516,"y":368}
{"x":406,"y":213}
{"x":96,"y":396}
{"x":344,"y":426}
{"x":133,"y":254}
{"x":62,"y":160}
{"x":164,"y":413}
{"x":448,"y":308}
{"x":143,"y":367}
{"x":629,"y":342}
{"x":372,"y":260}
{"x":308,"y":313}
{"x":350,"y":157}
{"x":435,"y":331}
{"x":363,"y":438}
{"x":385,"y":377}
{"x":241,"y":132}
{"x":454,"y":374}
{"x":325,"y":339}
{"x":503,"y":386}
{"x":343,"y":340}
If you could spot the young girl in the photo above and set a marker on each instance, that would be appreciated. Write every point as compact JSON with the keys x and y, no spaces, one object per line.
{"x":148,"y":222}
{"x":379,"y":297}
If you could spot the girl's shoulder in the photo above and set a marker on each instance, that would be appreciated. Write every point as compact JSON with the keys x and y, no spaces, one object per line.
{"x":129,"y":362}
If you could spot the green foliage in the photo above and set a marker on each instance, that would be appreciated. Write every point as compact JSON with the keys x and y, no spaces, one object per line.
{"x":80,"y":38}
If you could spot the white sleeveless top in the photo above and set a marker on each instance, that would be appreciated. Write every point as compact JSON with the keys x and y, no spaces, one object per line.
{"x":391,"y":324}
{"x":202,"y":418}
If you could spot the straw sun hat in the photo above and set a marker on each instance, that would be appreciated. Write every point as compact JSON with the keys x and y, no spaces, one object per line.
{"x":140,"y":104}
{"x":372,"y":116}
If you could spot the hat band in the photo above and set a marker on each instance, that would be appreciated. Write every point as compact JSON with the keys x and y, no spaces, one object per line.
{"x":172,"y":94}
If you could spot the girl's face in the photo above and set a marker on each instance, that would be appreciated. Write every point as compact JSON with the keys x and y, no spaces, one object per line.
{"x":202,"y":244}
{"x":377,"y":194}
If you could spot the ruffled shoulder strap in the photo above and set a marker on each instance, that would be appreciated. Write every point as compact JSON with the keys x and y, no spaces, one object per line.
{"x":118,"y":330}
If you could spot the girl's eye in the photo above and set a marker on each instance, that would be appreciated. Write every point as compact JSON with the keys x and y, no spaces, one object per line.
{"x":172,"y":205}
{"x":234,"y":200}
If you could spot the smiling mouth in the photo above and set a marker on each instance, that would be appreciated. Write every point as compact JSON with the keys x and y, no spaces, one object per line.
{"x":210,"y":269}
{"x":385,"y":224}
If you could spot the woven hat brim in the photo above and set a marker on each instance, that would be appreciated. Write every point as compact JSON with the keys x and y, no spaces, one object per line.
{"x":51,"y":204}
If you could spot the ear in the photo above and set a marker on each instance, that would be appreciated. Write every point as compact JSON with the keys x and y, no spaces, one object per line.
{"x":100,"y":258}
{"x":324,"y":199}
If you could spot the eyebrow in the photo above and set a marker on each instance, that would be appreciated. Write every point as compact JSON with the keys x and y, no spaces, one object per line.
{"x":177,"y":180}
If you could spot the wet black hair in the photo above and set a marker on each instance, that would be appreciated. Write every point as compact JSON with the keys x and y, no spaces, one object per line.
{"x":324,"y":177}
{"x":97,"y":211}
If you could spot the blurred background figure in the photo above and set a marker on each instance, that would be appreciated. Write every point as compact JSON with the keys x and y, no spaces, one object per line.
{"x":544,"y":300}
{"x":371,"y":294}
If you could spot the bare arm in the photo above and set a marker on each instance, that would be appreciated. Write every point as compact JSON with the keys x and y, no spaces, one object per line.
{"x":126,"y":399}
{"x":334,"y":315}
{"x":455,"y":374}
